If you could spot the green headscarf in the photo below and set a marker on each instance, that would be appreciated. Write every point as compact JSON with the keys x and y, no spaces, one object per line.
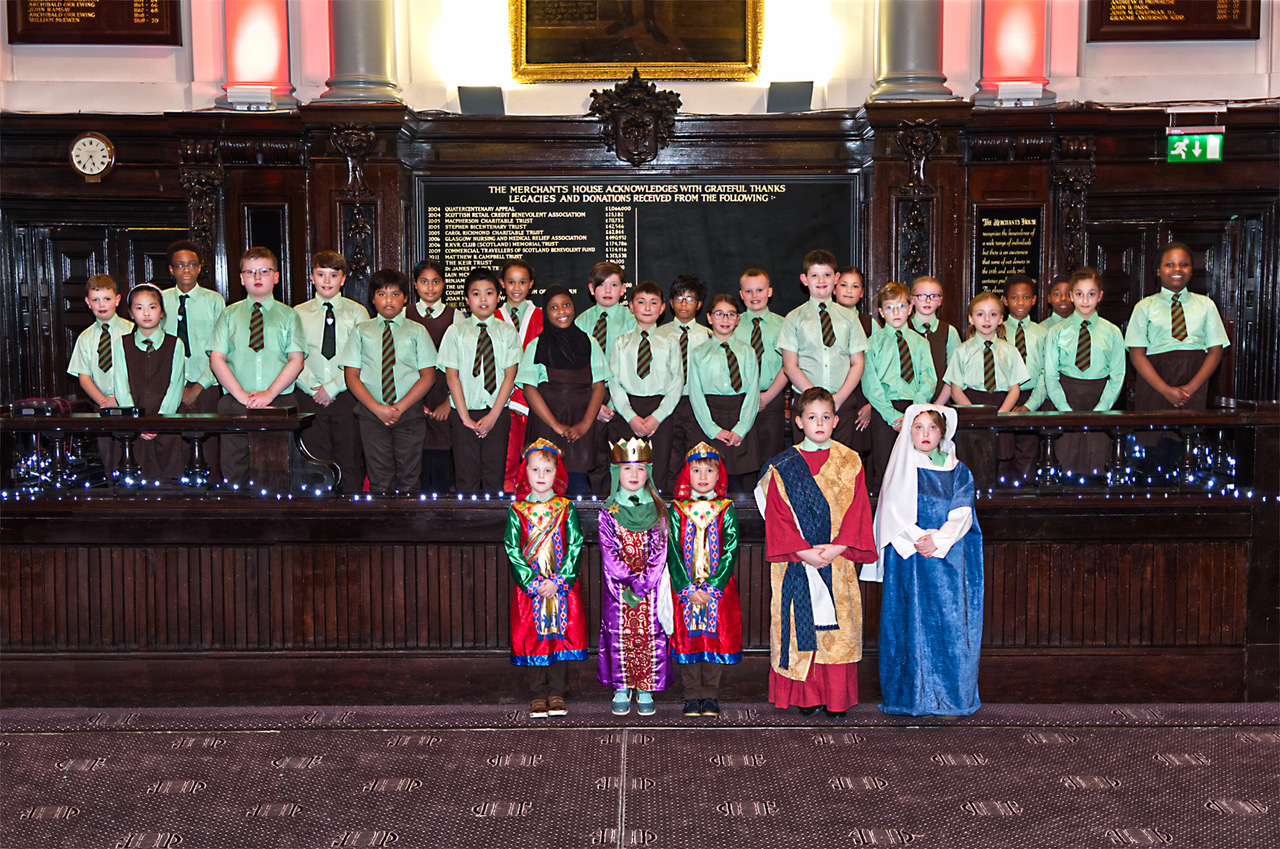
{"x":635,"y":511}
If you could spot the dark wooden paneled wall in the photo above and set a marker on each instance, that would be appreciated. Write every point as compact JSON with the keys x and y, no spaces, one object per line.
{"x":1149,"y":604}
{"x":344,"y":177}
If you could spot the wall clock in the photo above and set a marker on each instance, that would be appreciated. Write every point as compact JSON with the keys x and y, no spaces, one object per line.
{"x":93,"y":156}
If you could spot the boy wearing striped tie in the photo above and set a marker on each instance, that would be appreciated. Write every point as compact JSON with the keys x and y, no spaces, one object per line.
{"x":390,"y":363}
{"x":685,"y":296}
{"x":480,"y":357}
{"x":92,"y":361}
{"x":256,"y":351}
{"x":1029,"y":338}
{"x":822,"y":344}
{"x":645,"y":383}
{"x":899,"y":373}
{"x":759,"y":329}
{"x":328,"y":320}
{"x":605,"y":321}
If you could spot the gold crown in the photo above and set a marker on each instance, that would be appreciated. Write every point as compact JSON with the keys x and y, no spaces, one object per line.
{"x":541,"y":445}
{"x":702,"y":451}
{"x":634,"y":450}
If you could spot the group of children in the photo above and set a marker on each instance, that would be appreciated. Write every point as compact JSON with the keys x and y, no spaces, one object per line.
{"x":669,"y":595}
{"x":548,"y":403}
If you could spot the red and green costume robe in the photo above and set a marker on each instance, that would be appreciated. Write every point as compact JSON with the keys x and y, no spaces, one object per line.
{"x":703,"y":549}
{"x":544,"y":540}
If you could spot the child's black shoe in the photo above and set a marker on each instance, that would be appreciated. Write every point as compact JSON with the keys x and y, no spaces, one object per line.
{"x":710,"y":707}
{"x":692,"y":707}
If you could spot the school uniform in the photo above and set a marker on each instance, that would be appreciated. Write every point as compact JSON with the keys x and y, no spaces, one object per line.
{"x":333,"y":434}
{"x":684,"y":427}
{"x":1084,"y":376}
{"x":437,"y":453}
{"x":148,"y":373}
{"x":759,"y":331}
{"x":190,"y":317}
{"x":1176,"y":357}
{"x":893,"y":380}
{"x":479,"y":464}
{"x":942,"y":338}
{"x":604,"y":326}
{"x":567,"y":394}
{"x":655,"y":393}
{"x":1023,"y":448}
{"x":967,"y":369}
{"x":92,"y":355}
{"x":526,"y":320}
{"x":723,"y":377}
{"x":1052,"y":321}
{"x":824,"y":350}
{"x":255,"y":370}
{"x":393,"y":454}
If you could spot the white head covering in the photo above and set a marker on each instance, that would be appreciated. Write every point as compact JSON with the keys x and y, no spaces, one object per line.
{"x":896,"y":507}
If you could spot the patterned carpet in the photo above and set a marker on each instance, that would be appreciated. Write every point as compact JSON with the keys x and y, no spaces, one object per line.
{"x":487,"y":776}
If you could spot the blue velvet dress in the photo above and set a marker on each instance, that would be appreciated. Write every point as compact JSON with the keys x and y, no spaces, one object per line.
{"x":931,"y":613}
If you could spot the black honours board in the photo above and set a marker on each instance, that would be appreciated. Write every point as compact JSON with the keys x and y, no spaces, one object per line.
{"x":1008,"y":242}
{"x":1174,"y":20}
{"x":656,"y":230}
{"x":95,"y":22}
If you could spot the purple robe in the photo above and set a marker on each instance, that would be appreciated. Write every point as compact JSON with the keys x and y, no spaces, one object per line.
{"x":633,"y":646}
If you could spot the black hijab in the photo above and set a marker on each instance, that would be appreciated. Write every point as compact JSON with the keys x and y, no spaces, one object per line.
{"x":568,"y":349}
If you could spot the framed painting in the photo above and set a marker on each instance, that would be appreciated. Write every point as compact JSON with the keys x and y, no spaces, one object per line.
{"x":559,"y":40}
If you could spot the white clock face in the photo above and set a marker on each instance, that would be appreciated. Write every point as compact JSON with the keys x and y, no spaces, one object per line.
{"x":91,"y":155}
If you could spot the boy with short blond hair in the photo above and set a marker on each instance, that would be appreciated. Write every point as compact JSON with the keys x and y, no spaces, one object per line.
{"x":256,"y":351}
{"x":823,"y":344}
{"x":759,"y":328}
{"x":91,"y":358}
{"x":328,"y":319}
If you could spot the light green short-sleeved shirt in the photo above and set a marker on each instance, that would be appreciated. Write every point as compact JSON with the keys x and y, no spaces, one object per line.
{"x":84,"y":356}
{"x":965,"y":367}
{"x":203,"y":306}
{"x":317,"y":371}
{"x":663,"y":378}
{"x":536,"y":373}
{"x":414,"y":351}
{"x":1036,"y":337}
{"x":1151,"y":325}
{"x":770,"y":325}
{"x":281,"y":335}
{"x":1107,"y":358}
{"x":120,"y":373}
{"x":618,"y":320}
{"x":801,"y":333}
{"x":458,"y":351}
{"x":698,"y":334}
{"x":882,"y":381}
{"x":709,"y":375}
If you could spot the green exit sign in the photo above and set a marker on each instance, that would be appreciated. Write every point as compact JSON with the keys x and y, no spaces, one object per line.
{"x":1204,"y":147}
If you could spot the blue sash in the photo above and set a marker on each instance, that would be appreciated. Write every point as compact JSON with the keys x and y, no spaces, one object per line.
{"x":813,"y":514}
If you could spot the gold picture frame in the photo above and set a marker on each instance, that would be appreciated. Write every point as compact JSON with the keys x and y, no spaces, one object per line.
{"x":566,"y":40}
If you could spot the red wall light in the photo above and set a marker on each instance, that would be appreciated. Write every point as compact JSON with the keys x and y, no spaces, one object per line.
{"x":1014,"y":35}
{"x":257,"y":41}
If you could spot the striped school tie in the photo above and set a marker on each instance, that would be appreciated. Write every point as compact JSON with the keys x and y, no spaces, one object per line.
{"x":1178,"y":319}
{"x":1083,"y":346}
{"x":147,"y":346}
{"x":485,"y":361}
{"x":388,"y":365}
{"x":684,"y":353}
{"x":925,"y":330}
{"x":601,"y":330}
{"x":1020,"y":339}
{"x":905,"y":366}
{"x":104,"y":349}
{"x":644,"y":359}
{"x":828,"y":331}
{"x":255,"y":328}
{"x":757,"y":340}
{"x":182,"y":324}
{"x":988,"y":367}
{"x":515,"y":317}
{"x":329,"y":345}
{"x":735,"y":375}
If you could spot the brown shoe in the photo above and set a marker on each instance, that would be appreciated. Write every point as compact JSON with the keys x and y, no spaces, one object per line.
{"x":538,"y":709}
{"x":557,"y":706}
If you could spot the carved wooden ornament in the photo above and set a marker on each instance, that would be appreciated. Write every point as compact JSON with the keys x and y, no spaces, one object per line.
{"x":636,"y":120}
